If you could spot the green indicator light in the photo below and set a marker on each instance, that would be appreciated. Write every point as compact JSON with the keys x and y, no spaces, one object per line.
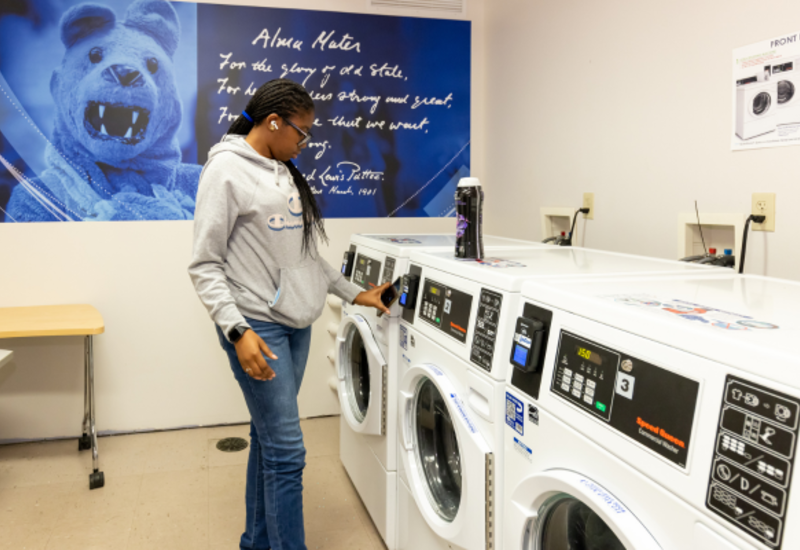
{"x":437,"y":320}
{"x":600,"y":406}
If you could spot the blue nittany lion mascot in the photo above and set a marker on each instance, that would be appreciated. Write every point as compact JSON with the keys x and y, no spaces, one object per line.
{"x":114,"y":154}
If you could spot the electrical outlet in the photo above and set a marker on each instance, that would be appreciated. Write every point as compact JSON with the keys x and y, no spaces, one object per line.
{"x":764,"y":205}
{"x":588,"y":202}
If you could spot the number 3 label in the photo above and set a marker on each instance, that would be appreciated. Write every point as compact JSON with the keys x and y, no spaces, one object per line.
{"x":625,"y":384}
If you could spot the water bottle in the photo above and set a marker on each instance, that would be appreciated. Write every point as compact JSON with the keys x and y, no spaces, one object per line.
{"x":469,"y":219}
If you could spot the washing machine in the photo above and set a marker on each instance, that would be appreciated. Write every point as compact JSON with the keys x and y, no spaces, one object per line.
{"x":756,"y":108}
{"x":455,"y":340}
{"x":657,"y":413}
{"x":366,"y":357}
{"x":786,"y":75}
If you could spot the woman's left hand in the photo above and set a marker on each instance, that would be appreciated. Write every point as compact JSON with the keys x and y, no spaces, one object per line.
{"x":372,"y":298}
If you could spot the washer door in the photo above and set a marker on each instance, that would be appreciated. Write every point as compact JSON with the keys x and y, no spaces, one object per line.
{"x":761,"y":104}
{"x":437,"y":453}
{"x":786,"y":91}
{"x":567,"y":511}
{"x":445,"y":457}
{"x":362,"y":377}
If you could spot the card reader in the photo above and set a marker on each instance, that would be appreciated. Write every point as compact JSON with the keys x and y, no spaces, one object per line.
{"x":529,"y":335}
{"x":347,"y":263}
{"x":408,"y":296}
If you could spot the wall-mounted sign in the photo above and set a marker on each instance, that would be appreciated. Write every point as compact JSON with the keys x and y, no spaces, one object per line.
{"x":766,"y":93}
{"x":108,"y":109}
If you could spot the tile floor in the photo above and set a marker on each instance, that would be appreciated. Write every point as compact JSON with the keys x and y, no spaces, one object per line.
{"x":166,"y":491}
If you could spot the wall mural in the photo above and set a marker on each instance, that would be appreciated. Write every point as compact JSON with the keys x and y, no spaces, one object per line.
{"x":108,"y":109}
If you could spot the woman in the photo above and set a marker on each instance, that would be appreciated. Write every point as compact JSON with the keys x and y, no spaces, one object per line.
{"x":257,"y":269}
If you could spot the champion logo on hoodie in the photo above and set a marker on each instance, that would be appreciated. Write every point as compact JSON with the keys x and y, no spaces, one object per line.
{"x":277,"y":222}
{"x":294,"y":204}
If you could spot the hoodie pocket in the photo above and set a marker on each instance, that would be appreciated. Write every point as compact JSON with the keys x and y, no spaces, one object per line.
{"x":301,"y":294}
{"x":248,"y":301}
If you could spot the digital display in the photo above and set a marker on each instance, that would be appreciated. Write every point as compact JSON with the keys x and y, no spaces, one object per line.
{"x":521,"y":355}
{"x":589,"y":355}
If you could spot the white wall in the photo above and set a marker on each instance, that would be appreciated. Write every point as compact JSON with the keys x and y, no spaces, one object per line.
{"x":632,"y":101}
{"x":159,"y":364}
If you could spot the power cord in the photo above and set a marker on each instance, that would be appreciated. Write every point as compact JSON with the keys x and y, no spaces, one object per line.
{"x":752,"y":218}
{"x":568,"y":240}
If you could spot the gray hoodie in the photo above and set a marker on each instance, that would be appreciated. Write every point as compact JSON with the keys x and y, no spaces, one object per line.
{"x":248,"y":258}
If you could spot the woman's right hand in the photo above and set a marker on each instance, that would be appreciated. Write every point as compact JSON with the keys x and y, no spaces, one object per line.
{"x":251,"y":350}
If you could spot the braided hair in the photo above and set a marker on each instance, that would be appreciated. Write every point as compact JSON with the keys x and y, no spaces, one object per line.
{"x":285,"y":98}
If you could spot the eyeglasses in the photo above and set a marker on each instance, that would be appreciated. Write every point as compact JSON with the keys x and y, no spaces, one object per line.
{"x":306,"y":135}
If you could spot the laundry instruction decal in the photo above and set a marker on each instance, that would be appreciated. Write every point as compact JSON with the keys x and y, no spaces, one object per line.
{"x":766,"y":93}
{"x":695,"y":313}
{"x":515,"y":414}
{"x":108,"y":109}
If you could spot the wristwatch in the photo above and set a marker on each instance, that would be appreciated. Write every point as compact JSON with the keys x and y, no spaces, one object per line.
{"x":236,"y":333}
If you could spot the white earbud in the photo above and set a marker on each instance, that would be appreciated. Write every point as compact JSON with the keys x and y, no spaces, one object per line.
{"x":273,"y":125}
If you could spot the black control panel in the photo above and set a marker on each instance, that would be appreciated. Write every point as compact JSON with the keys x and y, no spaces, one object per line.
{"x":348,"y":261}
{"x":748,"y":80}
{"x":388,"y":270}
{"x":409,"y":288}
{"x":530,"y":380}
{"x":446,"y":308}
{"x":754,"y":458}
{"x":650,"y":405}
{"x":782,"y":68}
{"x":585,"y":374}
{"x":366,"y":272}
{"x":485,"y":336}
{"x":408,"y":292}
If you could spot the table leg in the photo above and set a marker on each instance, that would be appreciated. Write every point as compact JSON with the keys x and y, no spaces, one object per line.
{"x":96,"y":479}
{"x":85,"y":442}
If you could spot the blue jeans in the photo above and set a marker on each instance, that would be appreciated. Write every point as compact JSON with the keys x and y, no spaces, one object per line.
{"x":274,"y":495}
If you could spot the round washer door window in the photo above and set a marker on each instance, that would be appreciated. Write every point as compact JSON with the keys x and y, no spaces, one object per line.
{"x":356,"y":373}
{"x":761,"y":103}
{"x":566,"y":523}
{"x":438,"y":456}
{"x":786,"y":91}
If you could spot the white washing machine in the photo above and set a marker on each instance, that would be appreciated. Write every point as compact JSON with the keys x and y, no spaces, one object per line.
{"x":786,"y":75}
{"x":756,"y":109}
{"x":366,"y":365}
{"x":662,"y":413}
{"x":456,"y":338}
{"x":446,"y":437}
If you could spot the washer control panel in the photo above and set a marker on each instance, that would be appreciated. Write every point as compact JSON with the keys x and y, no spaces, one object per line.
{"x":366,"y":272}
{"x":485,"y":336}
{"x":446,"y":308}
{"x":648,"y":404}
{"x":585,"y":374}
{"x":388,"y":270}
{"x":753,"y":459}
{"x":783,"y":68}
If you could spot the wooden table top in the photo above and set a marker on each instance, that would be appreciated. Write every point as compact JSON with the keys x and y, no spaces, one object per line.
{"x":68,"y":320}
